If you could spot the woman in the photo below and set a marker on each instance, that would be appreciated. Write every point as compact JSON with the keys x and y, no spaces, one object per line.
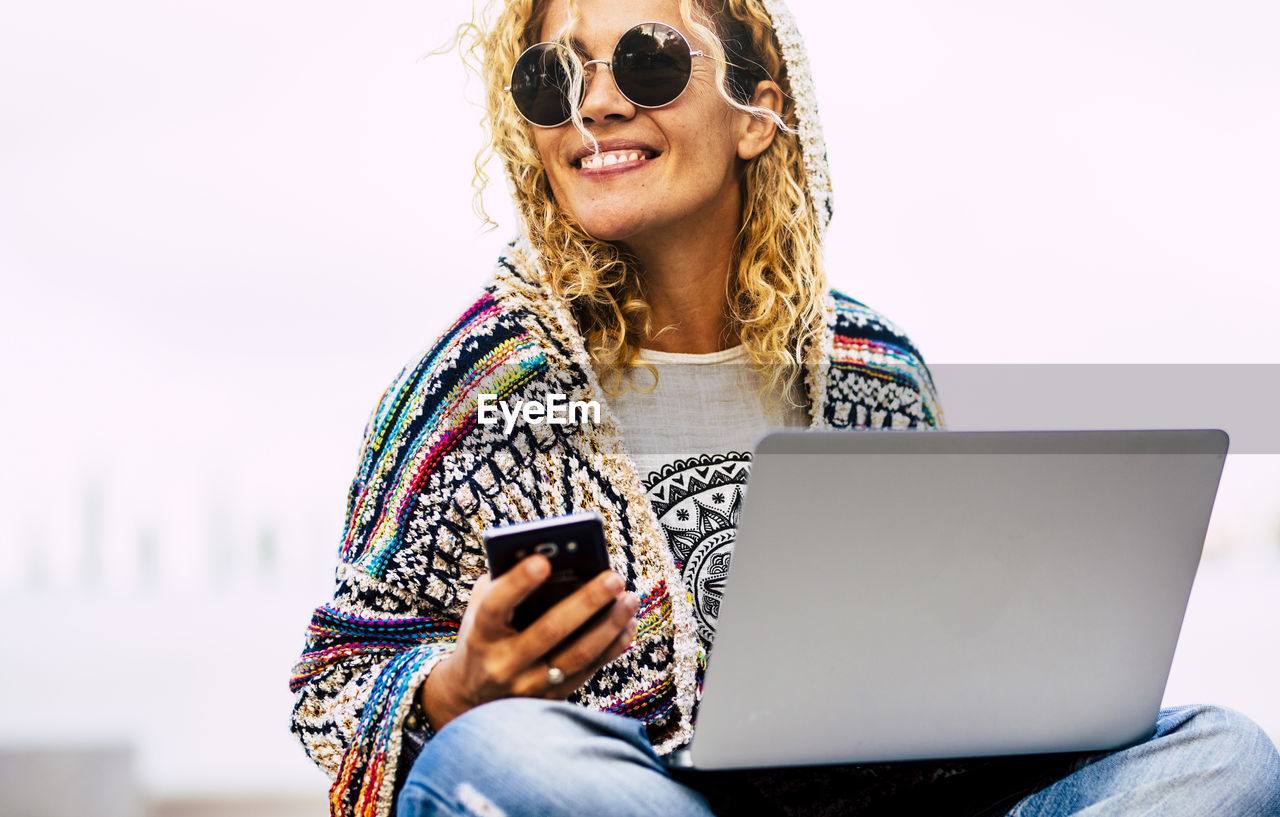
{"x":669,"y":171}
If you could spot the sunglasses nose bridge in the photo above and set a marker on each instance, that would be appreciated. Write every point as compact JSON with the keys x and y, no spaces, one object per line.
{"x":588,"y":74}
{"x":591,"y":102}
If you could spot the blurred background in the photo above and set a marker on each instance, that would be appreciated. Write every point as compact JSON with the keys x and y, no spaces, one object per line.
{"x":224,"y":227}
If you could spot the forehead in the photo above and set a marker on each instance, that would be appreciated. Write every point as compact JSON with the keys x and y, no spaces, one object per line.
{"x":601,"y":22}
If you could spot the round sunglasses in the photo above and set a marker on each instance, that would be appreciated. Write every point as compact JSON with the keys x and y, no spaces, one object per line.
{"x":651,"y":66}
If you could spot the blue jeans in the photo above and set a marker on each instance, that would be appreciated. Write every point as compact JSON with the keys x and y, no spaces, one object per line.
{"x":523,"y":756}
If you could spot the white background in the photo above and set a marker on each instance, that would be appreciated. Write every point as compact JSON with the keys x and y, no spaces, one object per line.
{"x":225,"y":226}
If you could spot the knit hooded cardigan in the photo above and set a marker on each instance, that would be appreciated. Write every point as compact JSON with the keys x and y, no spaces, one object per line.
{"x":431,"y":479}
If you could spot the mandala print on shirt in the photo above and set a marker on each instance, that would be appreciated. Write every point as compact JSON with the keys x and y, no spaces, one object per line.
{"x":697,"y":501}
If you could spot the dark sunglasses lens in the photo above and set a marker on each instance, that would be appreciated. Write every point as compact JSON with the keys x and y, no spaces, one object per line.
{"x":539,"y":85}
{"x":652,"y":64}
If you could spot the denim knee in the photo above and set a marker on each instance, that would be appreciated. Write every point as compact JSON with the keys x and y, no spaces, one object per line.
{"x":521,"y":756}
{"x":526,"y":729}
{"x":1236,"y":753}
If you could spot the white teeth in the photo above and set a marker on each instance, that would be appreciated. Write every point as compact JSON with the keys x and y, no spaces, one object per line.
{"x":599,"y":160}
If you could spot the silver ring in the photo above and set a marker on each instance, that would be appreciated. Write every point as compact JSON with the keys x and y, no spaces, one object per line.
{"x":555,"y":676}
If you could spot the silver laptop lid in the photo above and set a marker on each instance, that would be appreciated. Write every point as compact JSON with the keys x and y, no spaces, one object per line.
{"x":908,"y":595}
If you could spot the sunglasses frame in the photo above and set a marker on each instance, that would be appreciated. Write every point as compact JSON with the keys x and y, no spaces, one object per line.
{"x":608,"y":64}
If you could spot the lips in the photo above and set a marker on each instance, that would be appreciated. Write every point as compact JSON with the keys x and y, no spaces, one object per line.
{"x":613,"y":157}
{"x":612,"y":153}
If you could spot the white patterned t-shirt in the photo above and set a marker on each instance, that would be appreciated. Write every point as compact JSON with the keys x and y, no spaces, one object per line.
{"x":691,"y":438}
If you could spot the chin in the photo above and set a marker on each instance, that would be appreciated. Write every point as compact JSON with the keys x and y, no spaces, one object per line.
{"x":610,"y":235}
{"x":607,"y":218}
{"x":611,"y":229}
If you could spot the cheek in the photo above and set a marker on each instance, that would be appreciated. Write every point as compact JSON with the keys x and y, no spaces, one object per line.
{"x":545,"y":148}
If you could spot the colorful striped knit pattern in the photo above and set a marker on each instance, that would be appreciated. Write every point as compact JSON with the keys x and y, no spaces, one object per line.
{"x":431,"y":479}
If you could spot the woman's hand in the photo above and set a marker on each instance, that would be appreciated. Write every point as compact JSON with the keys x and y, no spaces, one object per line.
{"x":492,"y":660}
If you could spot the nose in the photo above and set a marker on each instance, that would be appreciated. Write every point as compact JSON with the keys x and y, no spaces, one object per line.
{"x":602,"y":99}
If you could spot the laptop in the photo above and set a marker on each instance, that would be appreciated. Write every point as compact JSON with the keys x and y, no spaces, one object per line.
{"x":907,"y":595}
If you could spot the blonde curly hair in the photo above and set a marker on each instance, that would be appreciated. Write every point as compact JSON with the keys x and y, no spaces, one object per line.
{"x":777,"y":288}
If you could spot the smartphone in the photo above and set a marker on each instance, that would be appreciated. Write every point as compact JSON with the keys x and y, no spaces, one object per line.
{"x":573,"y":544}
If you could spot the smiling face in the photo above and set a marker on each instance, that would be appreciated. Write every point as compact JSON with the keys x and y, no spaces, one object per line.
{"x":662,"y":172}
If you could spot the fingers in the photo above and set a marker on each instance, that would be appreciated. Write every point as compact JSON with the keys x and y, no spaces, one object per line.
{"x":573,"y":680}
{"x":620,"y":645}
{"x":580,"y":658}
{"x":586,"y":650}
{"x":502,"y":663}
{"x":568,"y":615}
{"x":604,"y":642}
{"x":500,"y":596}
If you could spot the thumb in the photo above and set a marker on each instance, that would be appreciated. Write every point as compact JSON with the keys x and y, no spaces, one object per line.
{"x":479,"y":590}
